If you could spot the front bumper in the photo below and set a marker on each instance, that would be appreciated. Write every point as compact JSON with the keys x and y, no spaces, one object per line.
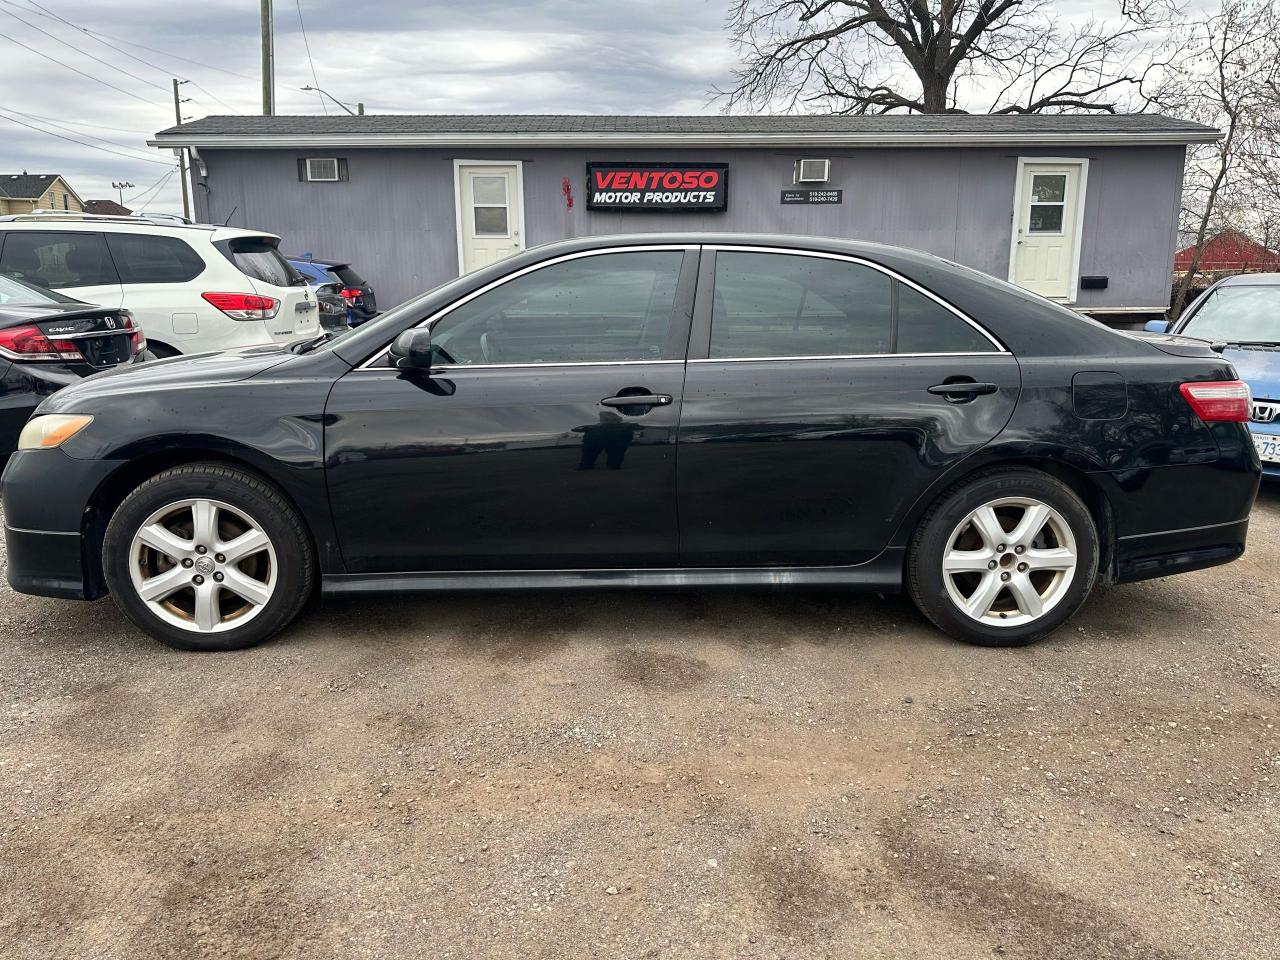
{"x":50,"y":532}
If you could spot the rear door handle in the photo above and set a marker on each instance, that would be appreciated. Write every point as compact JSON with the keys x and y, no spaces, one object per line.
{"x":962,"y":390}
{"x":638,"y":400}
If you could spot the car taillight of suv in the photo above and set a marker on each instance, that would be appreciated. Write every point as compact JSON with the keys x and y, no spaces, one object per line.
{"x":244,"y":306}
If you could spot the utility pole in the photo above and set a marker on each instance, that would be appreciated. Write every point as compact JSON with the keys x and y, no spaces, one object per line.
{"x":182,"y":151}
{"x":121,"y":186}
{"x":268,"y":61}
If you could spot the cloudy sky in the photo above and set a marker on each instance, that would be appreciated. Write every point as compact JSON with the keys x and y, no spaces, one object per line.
{"x":482,"y":56}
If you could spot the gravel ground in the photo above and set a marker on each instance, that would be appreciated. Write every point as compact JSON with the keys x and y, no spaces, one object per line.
{"x":648,"y":774}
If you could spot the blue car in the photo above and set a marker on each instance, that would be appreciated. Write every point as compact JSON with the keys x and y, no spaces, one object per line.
{"x":362,"y":305}
{"x":1244,"y":313}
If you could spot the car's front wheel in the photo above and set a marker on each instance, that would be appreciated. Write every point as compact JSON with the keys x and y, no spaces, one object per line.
{"x":1004,"y":559}
{"x":208,"y":557}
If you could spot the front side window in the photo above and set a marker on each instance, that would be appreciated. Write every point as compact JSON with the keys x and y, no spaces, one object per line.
{"x":1238,"y":315}
{"x":142,"y":258}
{"x":609,"y":307}
{"x":792,"y":305}
{"x":54,"y":259}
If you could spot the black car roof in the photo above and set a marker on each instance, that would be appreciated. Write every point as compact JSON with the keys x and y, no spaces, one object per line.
{"x":1027,"y":324}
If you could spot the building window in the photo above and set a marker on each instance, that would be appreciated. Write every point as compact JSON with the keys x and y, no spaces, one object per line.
{"x":66,"y":202}
{"x":322,"y":169}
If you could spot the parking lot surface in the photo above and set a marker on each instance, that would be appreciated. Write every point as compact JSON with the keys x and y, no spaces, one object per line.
{"x":651,"y":774}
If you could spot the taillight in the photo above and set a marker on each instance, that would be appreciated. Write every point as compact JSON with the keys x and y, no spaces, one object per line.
{"x":137,"y":338}
{"x":352,"y":294}
{"x":30,"y":343}
{"x":244,"y":306}
{"x":1219,"y":401}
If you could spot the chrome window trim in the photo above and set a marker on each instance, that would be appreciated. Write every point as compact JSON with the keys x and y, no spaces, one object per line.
{"x":853,"y":356}
{"x":853,"y":258}
{"x":533,"y":267}
{"x":450,"y":367}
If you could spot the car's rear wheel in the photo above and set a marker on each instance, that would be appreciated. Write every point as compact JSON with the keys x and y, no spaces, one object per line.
{"x":1004,"y":559}
{"x":208,"y":557}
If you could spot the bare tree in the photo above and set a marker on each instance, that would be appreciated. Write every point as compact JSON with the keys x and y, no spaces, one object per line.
{"x":1229,"y":78}
{"x":877,"y":56}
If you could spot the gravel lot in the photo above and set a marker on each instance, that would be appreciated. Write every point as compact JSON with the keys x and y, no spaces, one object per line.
{"x":703,"y":774}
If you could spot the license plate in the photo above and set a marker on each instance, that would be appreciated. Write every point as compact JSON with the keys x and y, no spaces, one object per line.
{"x":1268,"y":447}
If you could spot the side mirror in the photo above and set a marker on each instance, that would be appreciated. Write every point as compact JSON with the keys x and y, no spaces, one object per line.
{"x":411,"y":350}
{"x":1157,"y":326}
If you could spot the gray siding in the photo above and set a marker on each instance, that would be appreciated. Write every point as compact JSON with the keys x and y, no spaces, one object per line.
{"x":395,"y":219}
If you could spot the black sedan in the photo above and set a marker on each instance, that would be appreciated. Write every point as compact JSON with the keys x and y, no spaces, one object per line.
{"x":648,"y":411}
{"x":47,"y":342}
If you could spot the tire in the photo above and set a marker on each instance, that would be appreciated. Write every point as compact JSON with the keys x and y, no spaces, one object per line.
{"x":949,"y":566}
{"x":198,"y":601}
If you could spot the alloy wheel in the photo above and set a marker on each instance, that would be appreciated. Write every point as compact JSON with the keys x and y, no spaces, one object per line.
{"x":1009,"y":562}
{"x":203,"y":565}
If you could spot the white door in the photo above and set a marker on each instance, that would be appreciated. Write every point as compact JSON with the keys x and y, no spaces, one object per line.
{"x":490,"y":213}
{"x":1046,"y":228}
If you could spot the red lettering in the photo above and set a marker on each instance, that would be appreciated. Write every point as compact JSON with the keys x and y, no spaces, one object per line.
{"x":671,"y":180}
{"x":603,"y":179}
{"x":708,"y":179}
{"x":689,"y":180}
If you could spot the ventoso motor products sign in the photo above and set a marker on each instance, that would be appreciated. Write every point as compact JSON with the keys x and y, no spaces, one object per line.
{"x":658,"y":186}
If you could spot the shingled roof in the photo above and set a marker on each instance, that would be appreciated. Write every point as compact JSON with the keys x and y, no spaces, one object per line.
{"x":555,"y":129}
{"x":25,"y":186}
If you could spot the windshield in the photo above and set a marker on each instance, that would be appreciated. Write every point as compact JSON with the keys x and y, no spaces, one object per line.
{"x":1238,"y":315}
{"x":13,"y":290}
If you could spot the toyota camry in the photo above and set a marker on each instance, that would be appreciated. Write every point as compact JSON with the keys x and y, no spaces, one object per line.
{"x":647,"y":411}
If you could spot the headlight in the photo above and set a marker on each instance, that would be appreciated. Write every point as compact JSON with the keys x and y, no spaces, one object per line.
{"x":51,"y":430}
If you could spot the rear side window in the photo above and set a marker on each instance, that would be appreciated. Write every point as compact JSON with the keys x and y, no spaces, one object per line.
{"x":784,"y":305}
{"x":792,"y":305}
{"x":54,"y":259}
{"x":143,"y":258}
{"x":926,"y":326}
{"x":260,"y":260}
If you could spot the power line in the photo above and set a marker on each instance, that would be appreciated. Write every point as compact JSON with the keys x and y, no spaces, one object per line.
{"x":60,"y":126}
{"x":111,"y":46}
{"x":78,"y":123}
{"x":50,"y":15}
{"x":158,"y":187}
{"x":82,"y":143}
{"x":211,"y":95}
{"x":72,"y":46}
{"x":307,"y":44}
{"x":88,"y":76}
{"x":143,"y":193}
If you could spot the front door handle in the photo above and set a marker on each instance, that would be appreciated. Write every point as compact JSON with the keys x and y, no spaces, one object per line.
{"x":638,"y":400}
{"x":962,"y":391}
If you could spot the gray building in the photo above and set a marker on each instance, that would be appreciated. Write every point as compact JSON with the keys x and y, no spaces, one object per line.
{"x":1080,"y":208}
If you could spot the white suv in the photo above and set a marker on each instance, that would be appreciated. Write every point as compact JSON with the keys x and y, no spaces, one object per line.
{"x":192,"y":287}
